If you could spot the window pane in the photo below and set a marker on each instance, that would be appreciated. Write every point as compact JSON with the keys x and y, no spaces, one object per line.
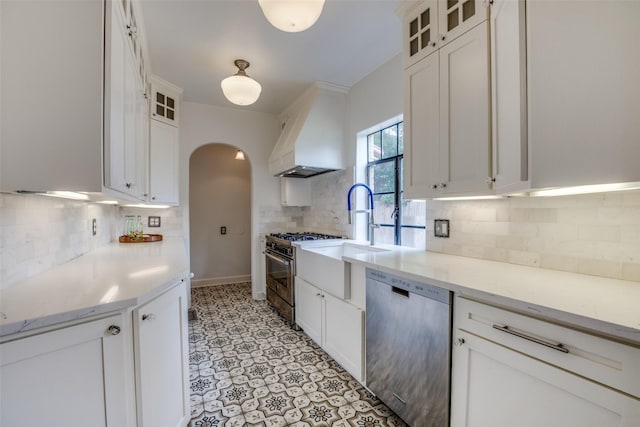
{"x":401,"y":138}
{"x":374,"y":147}
{"x":384,"y":207}
{"x":389,"y":142}
{"x":384,"y":235}
{"x":382,"y":177}
{"x":414,"y":212}
{"x":413,"y":237}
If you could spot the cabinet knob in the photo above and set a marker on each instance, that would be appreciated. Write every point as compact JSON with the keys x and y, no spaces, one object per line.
{"x":432,"y":44}
{"x":128,"y":185}
{"x":459,"y":342}
{"x":149,"y":316}
{"x":318,"y":294}
{"x":443,"y":185}
{"x":443,"y":37}
{"x":113,"y":330}
{"x":153,"y":197}
{"x":434,"y":186}
{"x":490,"y":180}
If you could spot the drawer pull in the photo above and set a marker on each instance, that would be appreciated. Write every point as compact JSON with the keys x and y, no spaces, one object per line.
{"x":506,"y":329}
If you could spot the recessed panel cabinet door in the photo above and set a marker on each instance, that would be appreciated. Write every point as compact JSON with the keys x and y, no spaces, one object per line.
{"x":495,"y":386}
{"x":422,"y":132}
{"x":71,"y":377}
{"x":161,"y":350}
{"x":163,"y":163}
{"x":309,"y":309}
{"x":465,"y":149}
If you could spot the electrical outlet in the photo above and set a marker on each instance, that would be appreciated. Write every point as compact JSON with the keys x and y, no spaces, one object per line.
{"x":153,"y":221}
{"x":94,"y":227}
{"x":223,"y":230}
{"x":441,"y":228}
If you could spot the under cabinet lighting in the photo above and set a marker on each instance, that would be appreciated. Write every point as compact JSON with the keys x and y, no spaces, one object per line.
{"x":67,"y":195}
{"x":470,"y":198}
{"x":141,"y":205}
{"x":585,"y":189}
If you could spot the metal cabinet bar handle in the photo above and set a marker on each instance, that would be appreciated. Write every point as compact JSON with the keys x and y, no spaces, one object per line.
{"x":506,"y":329}
{"x":404,"y":402}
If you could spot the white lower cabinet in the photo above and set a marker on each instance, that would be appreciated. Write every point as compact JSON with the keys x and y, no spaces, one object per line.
{"x":103,"y":372}
{"x":334,"y":324}
{"x":76,"y":376}
{"x":500,"y":379}
{"x":161,"y":349}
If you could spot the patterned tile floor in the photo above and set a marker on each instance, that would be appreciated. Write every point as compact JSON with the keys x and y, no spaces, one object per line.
{"x":248,"y":368}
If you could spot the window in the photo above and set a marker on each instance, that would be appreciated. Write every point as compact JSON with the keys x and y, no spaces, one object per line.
{"x":402,"y":222}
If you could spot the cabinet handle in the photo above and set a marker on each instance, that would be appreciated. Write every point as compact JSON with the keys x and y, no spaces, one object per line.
{"x":490,"y":180}
{"x":459,"y":342}
{"x":128,"y":185}
{"x":506,"y":329}
{"x":432,"y":44}
{"x":443,"y":37}
{"x":153,"y":197}
{"x":113,"y":329}
{"x":149,"y":316}
{"x":443,"y":185}
{"x":434,"y":186}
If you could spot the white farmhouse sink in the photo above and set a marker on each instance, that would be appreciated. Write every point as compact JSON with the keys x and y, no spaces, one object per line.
{"x":323,"y":267}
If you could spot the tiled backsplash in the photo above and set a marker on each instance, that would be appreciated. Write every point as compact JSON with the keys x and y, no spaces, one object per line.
{"x":596,"y":234}
{"x":37,"y":233}
{"x":328,"y":214}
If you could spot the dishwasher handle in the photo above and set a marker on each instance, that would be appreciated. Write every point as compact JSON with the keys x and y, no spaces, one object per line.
{"x":400,"y":291}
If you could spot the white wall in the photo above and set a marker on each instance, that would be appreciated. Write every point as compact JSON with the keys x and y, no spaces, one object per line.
{"x":220,"y":196}
{"x":255,"y":134}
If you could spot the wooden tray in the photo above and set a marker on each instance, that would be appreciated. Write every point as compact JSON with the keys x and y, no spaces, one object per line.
{"x":145,"y":238}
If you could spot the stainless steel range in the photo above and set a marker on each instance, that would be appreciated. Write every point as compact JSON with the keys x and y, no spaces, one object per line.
{"x":281,"y":269}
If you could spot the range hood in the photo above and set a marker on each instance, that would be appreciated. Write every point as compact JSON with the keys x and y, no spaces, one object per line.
{"x":313,"y":131}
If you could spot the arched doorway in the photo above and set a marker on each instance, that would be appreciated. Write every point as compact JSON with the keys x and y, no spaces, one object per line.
{"x":219,"y":215}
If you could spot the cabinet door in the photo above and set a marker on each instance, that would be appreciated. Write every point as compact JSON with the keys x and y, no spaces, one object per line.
{"x":509,"y":109}
{"x":309,"y":309}
{"x":163,"y":165}
{"x":343,"y":334}
{"x":161,"y":360}
{"x":76,"y":376}
{"x":583,"y":68}
{"x":494,"y":386}
{"x":420,"y":32}
{"x":421,"y":128}
{"x":464,"y":113}
{"x":459,"y":16}
{"x":141,"y":189}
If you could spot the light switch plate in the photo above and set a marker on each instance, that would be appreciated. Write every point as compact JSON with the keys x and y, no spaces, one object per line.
{"x":441,"y":227}
{"x":153,"y":221}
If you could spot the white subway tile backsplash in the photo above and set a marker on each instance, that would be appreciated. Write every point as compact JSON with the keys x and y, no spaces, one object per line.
{"x":597,"y":234}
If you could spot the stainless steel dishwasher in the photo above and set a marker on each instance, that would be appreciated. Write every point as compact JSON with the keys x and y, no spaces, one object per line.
{"x":408,"y":347}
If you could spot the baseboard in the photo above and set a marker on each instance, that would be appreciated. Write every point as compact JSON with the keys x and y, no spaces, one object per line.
{"x":198,"y":283}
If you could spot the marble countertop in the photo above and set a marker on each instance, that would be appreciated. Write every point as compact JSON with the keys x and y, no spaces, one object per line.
{"x":605,"y":306}
{"x":114,"y":277}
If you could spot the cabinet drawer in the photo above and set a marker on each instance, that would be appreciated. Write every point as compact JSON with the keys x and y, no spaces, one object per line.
{"x":608,"y":362}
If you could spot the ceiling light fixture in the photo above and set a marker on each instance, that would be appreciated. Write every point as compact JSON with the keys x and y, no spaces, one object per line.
{"x":241,"y":89}
{"x":292,"y":15}
{"x":239,"y":155}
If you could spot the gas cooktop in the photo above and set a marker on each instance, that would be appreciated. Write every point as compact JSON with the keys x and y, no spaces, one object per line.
{"x":296,"y":237}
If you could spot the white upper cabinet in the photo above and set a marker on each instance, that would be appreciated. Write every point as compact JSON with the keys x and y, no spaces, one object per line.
{"x":509,"y":96}
{"x":126,"y":114}
{"x":447,"y":119}
{"x":164,"y":142}
{"x":66,"y":89}
{"x":583,"y":92}
{"x":431,"y":24}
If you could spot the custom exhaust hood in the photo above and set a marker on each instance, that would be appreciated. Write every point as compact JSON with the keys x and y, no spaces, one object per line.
{"x":313,"y":131}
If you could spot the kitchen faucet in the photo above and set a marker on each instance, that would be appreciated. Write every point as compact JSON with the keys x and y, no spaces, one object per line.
{"x":372,"y":224}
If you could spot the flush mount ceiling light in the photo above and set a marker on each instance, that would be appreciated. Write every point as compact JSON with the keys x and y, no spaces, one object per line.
{"x":239,"y":155}
{"x":241,"y":89}
{"x":292,"y":15}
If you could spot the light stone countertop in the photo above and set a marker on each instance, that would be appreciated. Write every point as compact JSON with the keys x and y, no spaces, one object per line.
{"x":110,"y":278}
{"x":605,"y":306}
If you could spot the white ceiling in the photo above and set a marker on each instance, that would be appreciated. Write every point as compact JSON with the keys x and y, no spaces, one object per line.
{"x":193,"y":43}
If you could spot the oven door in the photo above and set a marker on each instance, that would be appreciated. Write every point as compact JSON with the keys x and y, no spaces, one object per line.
{"x":280,"y":276}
